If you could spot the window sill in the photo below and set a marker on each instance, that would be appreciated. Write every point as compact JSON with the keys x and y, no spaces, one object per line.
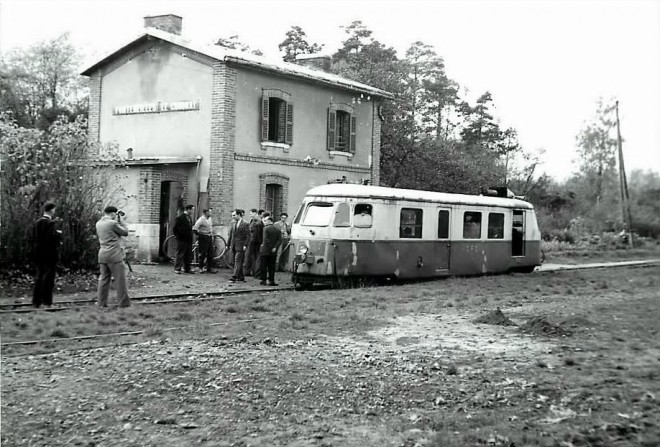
{"x":348,"y":155}
{"x":271,"y":144}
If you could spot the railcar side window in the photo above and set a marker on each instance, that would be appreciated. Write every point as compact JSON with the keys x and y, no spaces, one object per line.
{"x":363,"y":215}
{"x":318,"y":214}
{"x":411,"y":223}
{"x":443,"y":224}
{"x":342,"y":215}
{"x":495,"y":226}
{"x":471,"y":225}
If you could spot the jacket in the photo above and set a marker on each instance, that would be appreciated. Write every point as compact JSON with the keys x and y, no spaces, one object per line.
{"x":272,"y":240}
{"x":183,"y":228}
{"x":46,"y":240}
{"x":239,"y":237}
{"x":109,"y":232}
{"x":256,"y":232}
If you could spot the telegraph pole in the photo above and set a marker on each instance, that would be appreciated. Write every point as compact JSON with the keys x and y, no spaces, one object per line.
{"x":623,"y":184}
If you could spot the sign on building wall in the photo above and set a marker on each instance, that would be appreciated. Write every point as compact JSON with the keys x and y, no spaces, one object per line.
{"x":156,"y":107}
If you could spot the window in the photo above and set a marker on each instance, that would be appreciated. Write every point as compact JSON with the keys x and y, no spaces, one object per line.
{"x":341,"y":128}
{"x":411,"y":223}
{"x":318,"y":214}
{"x":495,"y":226}
{"x":342,"y":215}
{"x":276,"y":117}
{"x":443,"y":224}
{"x":471,"y":225}
{"x":363,"y":215}
{"x":299,"y":213}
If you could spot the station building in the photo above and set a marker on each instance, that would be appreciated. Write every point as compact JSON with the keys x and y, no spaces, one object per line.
{"x":224,"y":129}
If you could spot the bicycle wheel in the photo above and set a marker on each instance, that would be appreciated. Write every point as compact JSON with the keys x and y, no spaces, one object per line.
{"x":169,"y":247}
{"x":219,"y":247}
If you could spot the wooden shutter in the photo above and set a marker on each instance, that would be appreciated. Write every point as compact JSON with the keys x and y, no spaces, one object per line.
{"x":289,"y":123}
{"x":281,"y":121}
{"x":264,"y":117}
{"x":353,"y":127}
{"x":332,"y":128}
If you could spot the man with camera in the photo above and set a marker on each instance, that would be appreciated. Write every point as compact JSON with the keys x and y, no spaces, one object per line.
{"x":110,"y":230}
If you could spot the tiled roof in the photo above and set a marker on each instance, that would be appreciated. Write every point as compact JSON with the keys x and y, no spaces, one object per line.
{"x":242,"y":58}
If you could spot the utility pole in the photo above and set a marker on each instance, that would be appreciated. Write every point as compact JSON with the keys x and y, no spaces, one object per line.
{"x":623,"y":184}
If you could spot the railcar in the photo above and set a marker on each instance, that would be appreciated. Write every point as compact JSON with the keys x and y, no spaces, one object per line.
{"x":345,"y":231}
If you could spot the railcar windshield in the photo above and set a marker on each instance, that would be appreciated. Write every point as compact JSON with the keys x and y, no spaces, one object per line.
{"x":318,"y":214}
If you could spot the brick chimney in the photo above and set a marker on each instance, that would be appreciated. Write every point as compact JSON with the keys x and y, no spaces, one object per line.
{"x":169,"y":23}
{"x":315,"y":61}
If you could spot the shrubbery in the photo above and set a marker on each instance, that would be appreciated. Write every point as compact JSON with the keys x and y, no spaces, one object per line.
{"x":57,"y":165}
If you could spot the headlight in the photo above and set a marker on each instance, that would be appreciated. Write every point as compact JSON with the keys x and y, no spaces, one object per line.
{"x":303,"y":249}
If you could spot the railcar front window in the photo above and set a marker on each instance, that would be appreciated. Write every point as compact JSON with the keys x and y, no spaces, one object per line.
{"x":299,"y":213}
{"x":410,"y":226}
{"x":319,"y":214}
{"x":342,"y":215}
{"x":363,"y":215}
{"x":495,"y":226}
{"x":471,"y":225}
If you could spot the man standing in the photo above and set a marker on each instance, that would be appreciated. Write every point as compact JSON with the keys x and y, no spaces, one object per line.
{"x":268,"y":252}
{"x":285,"y":229}
{"x":239,"y":240}
{"x":46,"y":242}
{"x":110,"y":230}
{"x":203,"y":228}
{"x":183,"y":232}
{"x":256,"y":237}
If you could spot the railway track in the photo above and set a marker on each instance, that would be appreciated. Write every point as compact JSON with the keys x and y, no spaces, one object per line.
{"x":196,"y":297}
{"x":187,"y":297}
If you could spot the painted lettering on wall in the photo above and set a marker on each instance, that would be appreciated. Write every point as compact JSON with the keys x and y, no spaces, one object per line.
{"x":156,"y":107}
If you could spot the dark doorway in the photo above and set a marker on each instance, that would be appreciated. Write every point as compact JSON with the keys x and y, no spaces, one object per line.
{"x":170,"y":202}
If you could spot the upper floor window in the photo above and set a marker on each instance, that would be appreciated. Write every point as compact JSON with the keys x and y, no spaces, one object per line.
{"x":342,"y":125}
{"x":276,"y":117}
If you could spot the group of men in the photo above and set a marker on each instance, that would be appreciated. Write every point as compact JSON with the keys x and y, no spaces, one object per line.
{"x":47,"y":239}
{"x":254,"y":244}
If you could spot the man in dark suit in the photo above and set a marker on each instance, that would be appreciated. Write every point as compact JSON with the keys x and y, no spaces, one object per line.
{"x":239,"y":241}
{"x":252,"y":266}
{"x":46,"y":242}
{"x":183,"y":232}
{"x":268,"y":252}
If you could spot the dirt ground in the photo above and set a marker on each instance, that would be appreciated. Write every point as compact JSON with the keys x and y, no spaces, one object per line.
{"x":551,"y":359}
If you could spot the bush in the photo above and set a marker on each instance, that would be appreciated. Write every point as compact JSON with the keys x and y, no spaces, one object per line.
{"x":57,"y":165}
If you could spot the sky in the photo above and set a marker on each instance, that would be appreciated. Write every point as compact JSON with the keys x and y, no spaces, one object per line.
{"x":546,"y":63}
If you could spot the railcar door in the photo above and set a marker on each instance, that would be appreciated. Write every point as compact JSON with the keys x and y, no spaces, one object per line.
{"x":442,"y":242}
{"x":518,"y":233}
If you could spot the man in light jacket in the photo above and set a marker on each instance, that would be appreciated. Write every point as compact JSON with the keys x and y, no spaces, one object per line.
{"x":110,"y":230}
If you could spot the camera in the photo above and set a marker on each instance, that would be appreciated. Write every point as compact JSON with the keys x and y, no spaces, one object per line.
{"x":120,"y":213}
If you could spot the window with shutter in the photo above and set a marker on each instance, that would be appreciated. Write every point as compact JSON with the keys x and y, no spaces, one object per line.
{"x":276,"y":117}
{"x":332,"y":128}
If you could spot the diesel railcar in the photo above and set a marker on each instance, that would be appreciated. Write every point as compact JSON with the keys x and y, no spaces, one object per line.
{"x":345,"y":231}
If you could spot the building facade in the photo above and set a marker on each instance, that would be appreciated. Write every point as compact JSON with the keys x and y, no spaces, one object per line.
{"x":222,"y":129}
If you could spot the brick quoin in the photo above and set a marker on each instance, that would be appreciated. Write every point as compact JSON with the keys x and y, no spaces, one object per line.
{"x":223,"y":128}
{"x":94,"y":119}
{"x":375,"y":145}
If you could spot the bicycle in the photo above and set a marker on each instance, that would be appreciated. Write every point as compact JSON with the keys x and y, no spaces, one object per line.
{"x":221,"y":253}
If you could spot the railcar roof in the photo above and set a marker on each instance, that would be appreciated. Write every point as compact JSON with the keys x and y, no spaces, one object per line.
{"x":344,"y":190}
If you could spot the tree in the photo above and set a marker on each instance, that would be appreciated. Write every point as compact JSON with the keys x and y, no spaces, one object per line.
{"x":41,"y":83}
{"x":296,"y":43}
{"x":597,"y":150}
{"x":234,"y":43}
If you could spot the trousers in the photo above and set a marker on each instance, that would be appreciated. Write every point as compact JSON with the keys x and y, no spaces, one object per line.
{"x":43,"y":284}
{"x":118,"y":272}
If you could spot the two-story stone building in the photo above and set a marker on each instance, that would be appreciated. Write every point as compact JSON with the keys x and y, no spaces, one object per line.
{"x":223,"y":129}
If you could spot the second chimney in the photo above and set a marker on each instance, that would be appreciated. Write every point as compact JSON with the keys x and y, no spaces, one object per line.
{"x":169,"y":23}
{"x":315,"y":61}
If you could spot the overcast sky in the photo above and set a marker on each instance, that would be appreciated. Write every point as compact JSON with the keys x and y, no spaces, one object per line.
{"x":546,"y":63}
